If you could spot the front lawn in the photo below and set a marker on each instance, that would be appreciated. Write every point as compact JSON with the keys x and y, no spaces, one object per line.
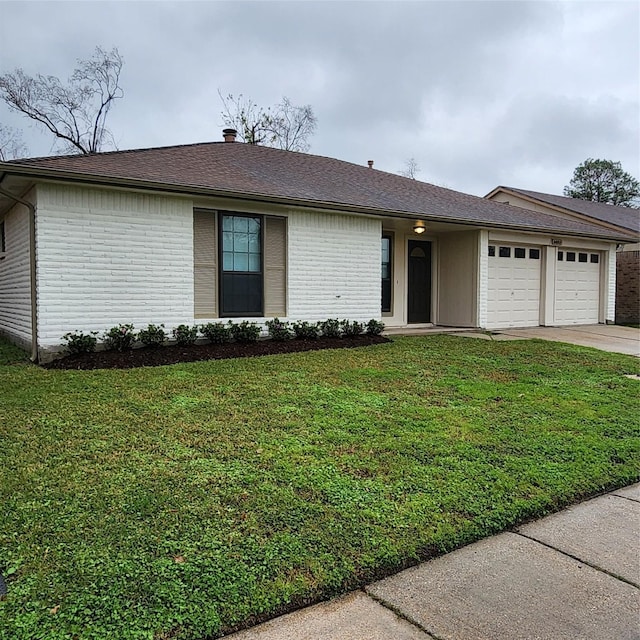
{"x":184,"y":501}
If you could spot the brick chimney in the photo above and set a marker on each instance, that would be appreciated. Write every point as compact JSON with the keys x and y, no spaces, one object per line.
{"x":229,"y":135}
{"x":370,"y":163}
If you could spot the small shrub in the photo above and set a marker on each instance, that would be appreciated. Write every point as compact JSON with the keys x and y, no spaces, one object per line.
{"x":185,"y":335}
{"x":78,"y":342}
{"x":351,"y":329}
{"x":375,"y":327}
{"x":278,"y":330}
{"x":306,"y":330}
{"x":331,"y":328}
{"x":153,"y":336}
{"x":216,"y":332}
{"x":120,"y":337}
{"x":245,"y":331}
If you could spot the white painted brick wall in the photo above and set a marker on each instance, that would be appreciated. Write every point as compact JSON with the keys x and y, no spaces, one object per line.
{"x":15,"y":285}
{"x":483,"y":278}
{"x":107,"y":257}
{"x":334,"y":266}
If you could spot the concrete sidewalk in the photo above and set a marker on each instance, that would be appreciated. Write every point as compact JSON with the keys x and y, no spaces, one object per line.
{"x":572,"y":575}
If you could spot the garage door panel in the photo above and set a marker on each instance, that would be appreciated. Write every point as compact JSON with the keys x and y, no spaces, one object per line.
{"x":577,"y":292}
{"x":513,"y":289}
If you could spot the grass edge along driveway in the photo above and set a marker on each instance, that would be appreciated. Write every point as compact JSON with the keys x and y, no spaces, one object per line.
{"x":189,"y":500}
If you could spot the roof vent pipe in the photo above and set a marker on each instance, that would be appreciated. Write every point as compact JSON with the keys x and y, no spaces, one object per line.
{"x":370,"y":163}
{"x":229,"y":135}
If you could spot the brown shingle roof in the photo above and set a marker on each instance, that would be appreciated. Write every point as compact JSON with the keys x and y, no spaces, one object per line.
{"x":258,"y":172}
{"x":624,"y":217}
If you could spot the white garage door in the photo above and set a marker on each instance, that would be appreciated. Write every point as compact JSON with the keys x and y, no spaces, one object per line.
{"x":577,"y":298}
{"x":514,"y":287}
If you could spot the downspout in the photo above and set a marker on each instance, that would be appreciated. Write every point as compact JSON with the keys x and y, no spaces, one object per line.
{"x":32,"y":268}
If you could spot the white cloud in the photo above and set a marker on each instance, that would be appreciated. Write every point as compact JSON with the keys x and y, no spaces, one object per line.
{"x":480,"y":93}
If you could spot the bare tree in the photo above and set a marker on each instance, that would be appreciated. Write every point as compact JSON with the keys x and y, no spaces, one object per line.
{"x":75,"y":112}
{"x":11,"y":144}
{"x":411,"y":169}
{"x":293,"y":126}
{"x":284,"y":126}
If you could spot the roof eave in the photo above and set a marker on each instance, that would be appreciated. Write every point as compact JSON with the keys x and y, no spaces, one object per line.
{"x":137,"y":183}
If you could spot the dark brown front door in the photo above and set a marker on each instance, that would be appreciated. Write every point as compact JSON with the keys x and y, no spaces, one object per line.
{"x":419,"y":281}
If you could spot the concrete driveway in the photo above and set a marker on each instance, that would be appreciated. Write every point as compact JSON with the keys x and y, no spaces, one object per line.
{"x":606,"y":337}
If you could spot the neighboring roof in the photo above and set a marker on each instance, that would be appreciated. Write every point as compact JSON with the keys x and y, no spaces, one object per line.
{"x":263,"y":173}
{"x":624,"y":217}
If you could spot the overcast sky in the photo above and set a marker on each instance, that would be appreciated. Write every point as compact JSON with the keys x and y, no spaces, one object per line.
{"x":479,"y":93}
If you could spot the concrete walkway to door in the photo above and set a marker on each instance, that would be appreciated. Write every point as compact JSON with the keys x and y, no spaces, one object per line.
{"x":606,"y":337}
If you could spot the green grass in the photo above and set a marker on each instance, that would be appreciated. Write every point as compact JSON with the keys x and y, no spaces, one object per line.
{"x":183,"y":501}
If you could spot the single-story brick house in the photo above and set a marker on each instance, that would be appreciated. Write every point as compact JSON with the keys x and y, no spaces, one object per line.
{"x":193,"y":233}
{"x":624,"y":219}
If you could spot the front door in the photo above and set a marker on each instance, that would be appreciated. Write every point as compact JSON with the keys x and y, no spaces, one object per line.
{"x":419,"y":281}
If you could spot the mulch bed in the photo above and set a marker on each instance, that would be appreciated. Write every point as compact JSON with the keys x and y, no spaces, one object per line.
{"x":173,"y":354}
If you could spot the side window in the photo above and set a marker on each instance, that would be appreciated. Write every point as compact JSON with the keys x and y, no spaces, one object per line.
{"x":386,"y":273}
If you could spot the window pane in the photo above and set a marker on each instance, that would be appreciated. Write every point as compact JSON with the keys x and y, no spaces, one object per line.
{"x":254,"y":243}
{"x":560,"y":256}
{"x":240,"y":262}
{"x":519,"y":252}
{"x":227,"y":261}
{"x":227,"y":241}
{"x":254,"y":262}
{"x":253,"y":225}
{"x":240,"y":242}
{"x":385,"y":249}
{"x":582,"y":257}
{"x":240,"y":224}
{"x":534,"y":254}
{"x":505,"y":252}
{"x":571,"y":256}
{"x":594,"y":258}
{"x":492,"y":250}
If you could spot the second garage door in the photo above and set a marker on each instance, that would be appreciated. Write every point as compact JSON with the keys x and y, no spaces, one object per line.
{"x":514,"y":287}
{"x":577,"y":296}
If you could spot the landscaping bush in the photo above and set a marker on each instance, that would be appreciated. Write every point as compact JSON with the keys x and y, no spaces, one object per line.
{"x":351,"y":329}
{"x":331,"y":328}
{"x":185,"y":335}
{"x":375,"y":327}
{"x":245,"y":331}
{"x":120,"y":337}
{"x":278,"y":330}
{"x":305,"y":330}
{"x":153,"y":336}
{"x":78,"y":342}
{"x":216,"y":332}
